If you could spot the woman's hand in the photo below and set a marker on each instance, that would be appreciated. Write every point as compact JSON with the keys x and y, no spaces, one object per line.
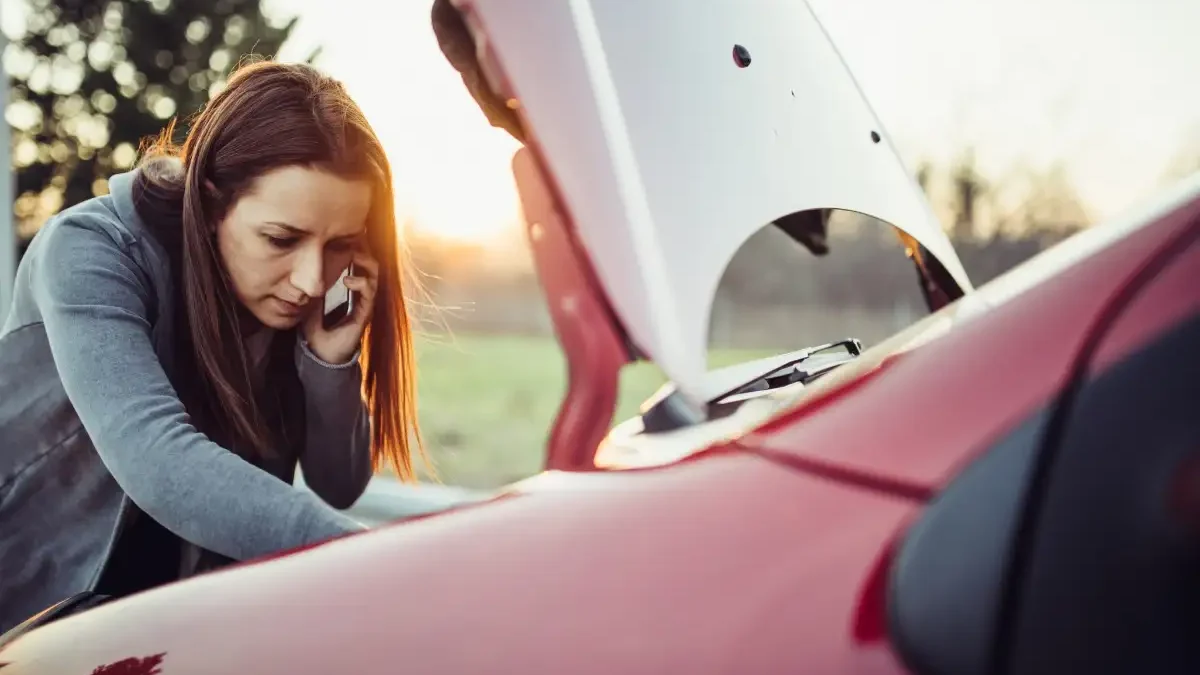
{"x":339,"y":343}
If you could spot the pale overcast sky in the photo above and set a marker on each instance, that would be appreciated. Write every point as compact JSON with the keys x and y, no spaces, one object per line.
{"x":1111,"y":87}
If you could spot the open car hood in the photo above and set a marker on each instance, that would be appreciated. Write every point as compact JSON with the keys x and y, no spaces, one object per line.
{"x":671,"y":131}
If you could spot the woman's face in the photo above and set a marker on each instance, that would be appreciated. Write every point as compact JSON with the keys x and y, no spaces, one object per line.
{"x":288,"y":239}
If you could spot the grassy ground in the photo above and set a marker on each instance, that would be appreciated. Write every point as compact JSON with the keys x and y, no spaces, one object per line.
{"x":487,"y":402}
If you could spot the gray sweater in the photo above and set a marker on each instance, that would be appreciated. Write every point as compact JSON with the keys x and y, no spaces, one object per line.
{"x":93,"y":434}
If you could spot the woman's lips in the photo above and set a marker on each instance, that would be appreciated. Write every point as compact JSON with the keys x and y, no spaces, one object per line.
{"x":288,"y":308}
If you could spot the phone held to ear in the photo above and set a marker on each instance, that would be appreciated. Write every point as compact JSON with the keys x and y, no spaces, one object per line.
{"x":339,"y":301}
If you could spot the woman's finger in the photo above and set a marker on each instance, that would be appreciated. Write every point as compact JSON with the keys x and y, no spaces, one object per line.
{"x":362,"y":285}
{"x":366,"y":298}
{"x":369,"y":279}
{"x":366,"y":266}
{"x":370,"y":274}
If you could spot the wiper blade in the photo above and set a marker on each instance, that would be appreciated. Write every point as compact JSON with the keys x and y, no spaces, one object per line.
{"x":662,"y":411}
{"x":783,"y":369}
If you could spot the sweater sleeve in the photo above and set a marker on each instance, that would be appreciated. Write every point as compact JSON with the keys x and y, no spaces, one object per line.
{"x":336,"y":461}
{"x":94,"y":301}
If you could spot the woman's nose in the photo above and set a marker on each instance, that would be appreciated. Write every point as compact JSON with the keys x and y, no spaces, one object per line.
{"x":307,"y":275}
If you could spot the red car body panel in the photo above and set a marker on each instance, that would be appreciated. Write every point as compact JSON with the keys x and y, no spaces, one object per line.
{"x":767,"y":554}
{"x":724,"y":562}
{"x":926,"y":411}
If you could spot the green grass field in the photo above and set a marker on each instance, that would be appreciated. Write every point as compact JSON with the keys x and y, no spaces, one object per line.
{"x":487,"y":402}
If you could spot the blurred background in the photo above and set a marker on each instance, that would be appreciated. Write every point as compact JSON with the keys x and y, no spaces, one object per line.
{"x":1025,"y":121}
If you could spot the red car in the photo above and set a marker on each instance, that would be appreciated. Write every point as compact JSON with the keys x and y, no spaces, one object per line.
{"x":1011,"y":485}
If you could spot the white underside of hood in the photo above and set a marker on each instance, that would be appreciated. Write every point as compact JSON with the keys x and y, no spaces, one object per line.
{"x":668,"y":155}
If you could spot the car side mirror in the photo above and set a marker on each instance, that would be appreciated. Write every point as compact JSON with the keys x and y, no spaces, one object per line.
{"x":947,"y":580}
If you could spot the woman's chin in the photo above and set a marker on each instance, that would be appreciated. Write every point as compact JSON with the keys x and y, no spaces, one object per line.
{"x":279,"y":323}
{"x":278,"y":320}
{"x":279,"y":315}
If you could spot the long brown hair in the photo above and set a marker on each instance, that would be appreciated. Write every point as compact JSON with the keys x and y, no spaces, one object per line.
{"x":268,"y":116}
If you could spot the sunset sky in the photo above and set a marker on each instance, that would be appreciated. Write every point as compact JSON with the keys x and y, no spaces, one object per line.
{"x":1106,"y":86}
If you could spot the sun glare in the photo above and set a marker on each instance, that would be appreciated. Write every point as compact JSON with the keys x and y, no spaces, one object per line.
{"x":473,"y":206}
{"x":452,"y":171}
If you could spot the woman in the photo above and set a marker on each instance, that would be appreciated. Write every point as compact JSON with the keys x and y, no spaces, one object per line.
{"x":165,"y":366}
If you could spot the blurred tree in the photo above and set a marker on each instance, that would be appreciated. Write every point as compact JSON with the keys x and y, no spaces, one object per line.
{"x":968,"y":187}
{"x":925,"y":177}
{"x":1053,"y":208}
{"x":91,"y":79}
{"x":1040,"y":204}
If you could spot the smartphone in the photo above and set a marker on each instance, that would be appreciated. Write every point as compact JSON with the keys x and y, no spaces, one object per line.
{"x":339,"y":301}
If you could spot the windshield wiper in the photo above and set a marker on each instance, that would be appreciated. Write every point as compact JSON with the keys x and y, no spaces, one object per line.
{"x":725,"y":389}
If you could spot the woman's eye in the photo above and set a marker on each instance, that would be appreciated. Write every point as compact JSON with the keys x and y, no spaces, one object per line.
{"x":280,"y":242}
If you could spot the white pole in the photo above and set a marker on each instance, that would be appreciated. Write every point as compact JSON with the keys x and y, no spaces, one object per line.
{"x":8,"y":232}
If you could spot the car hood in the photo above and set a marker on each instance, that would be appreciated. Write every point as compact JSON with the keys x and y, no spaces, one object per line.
{"x":672,"y":134}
